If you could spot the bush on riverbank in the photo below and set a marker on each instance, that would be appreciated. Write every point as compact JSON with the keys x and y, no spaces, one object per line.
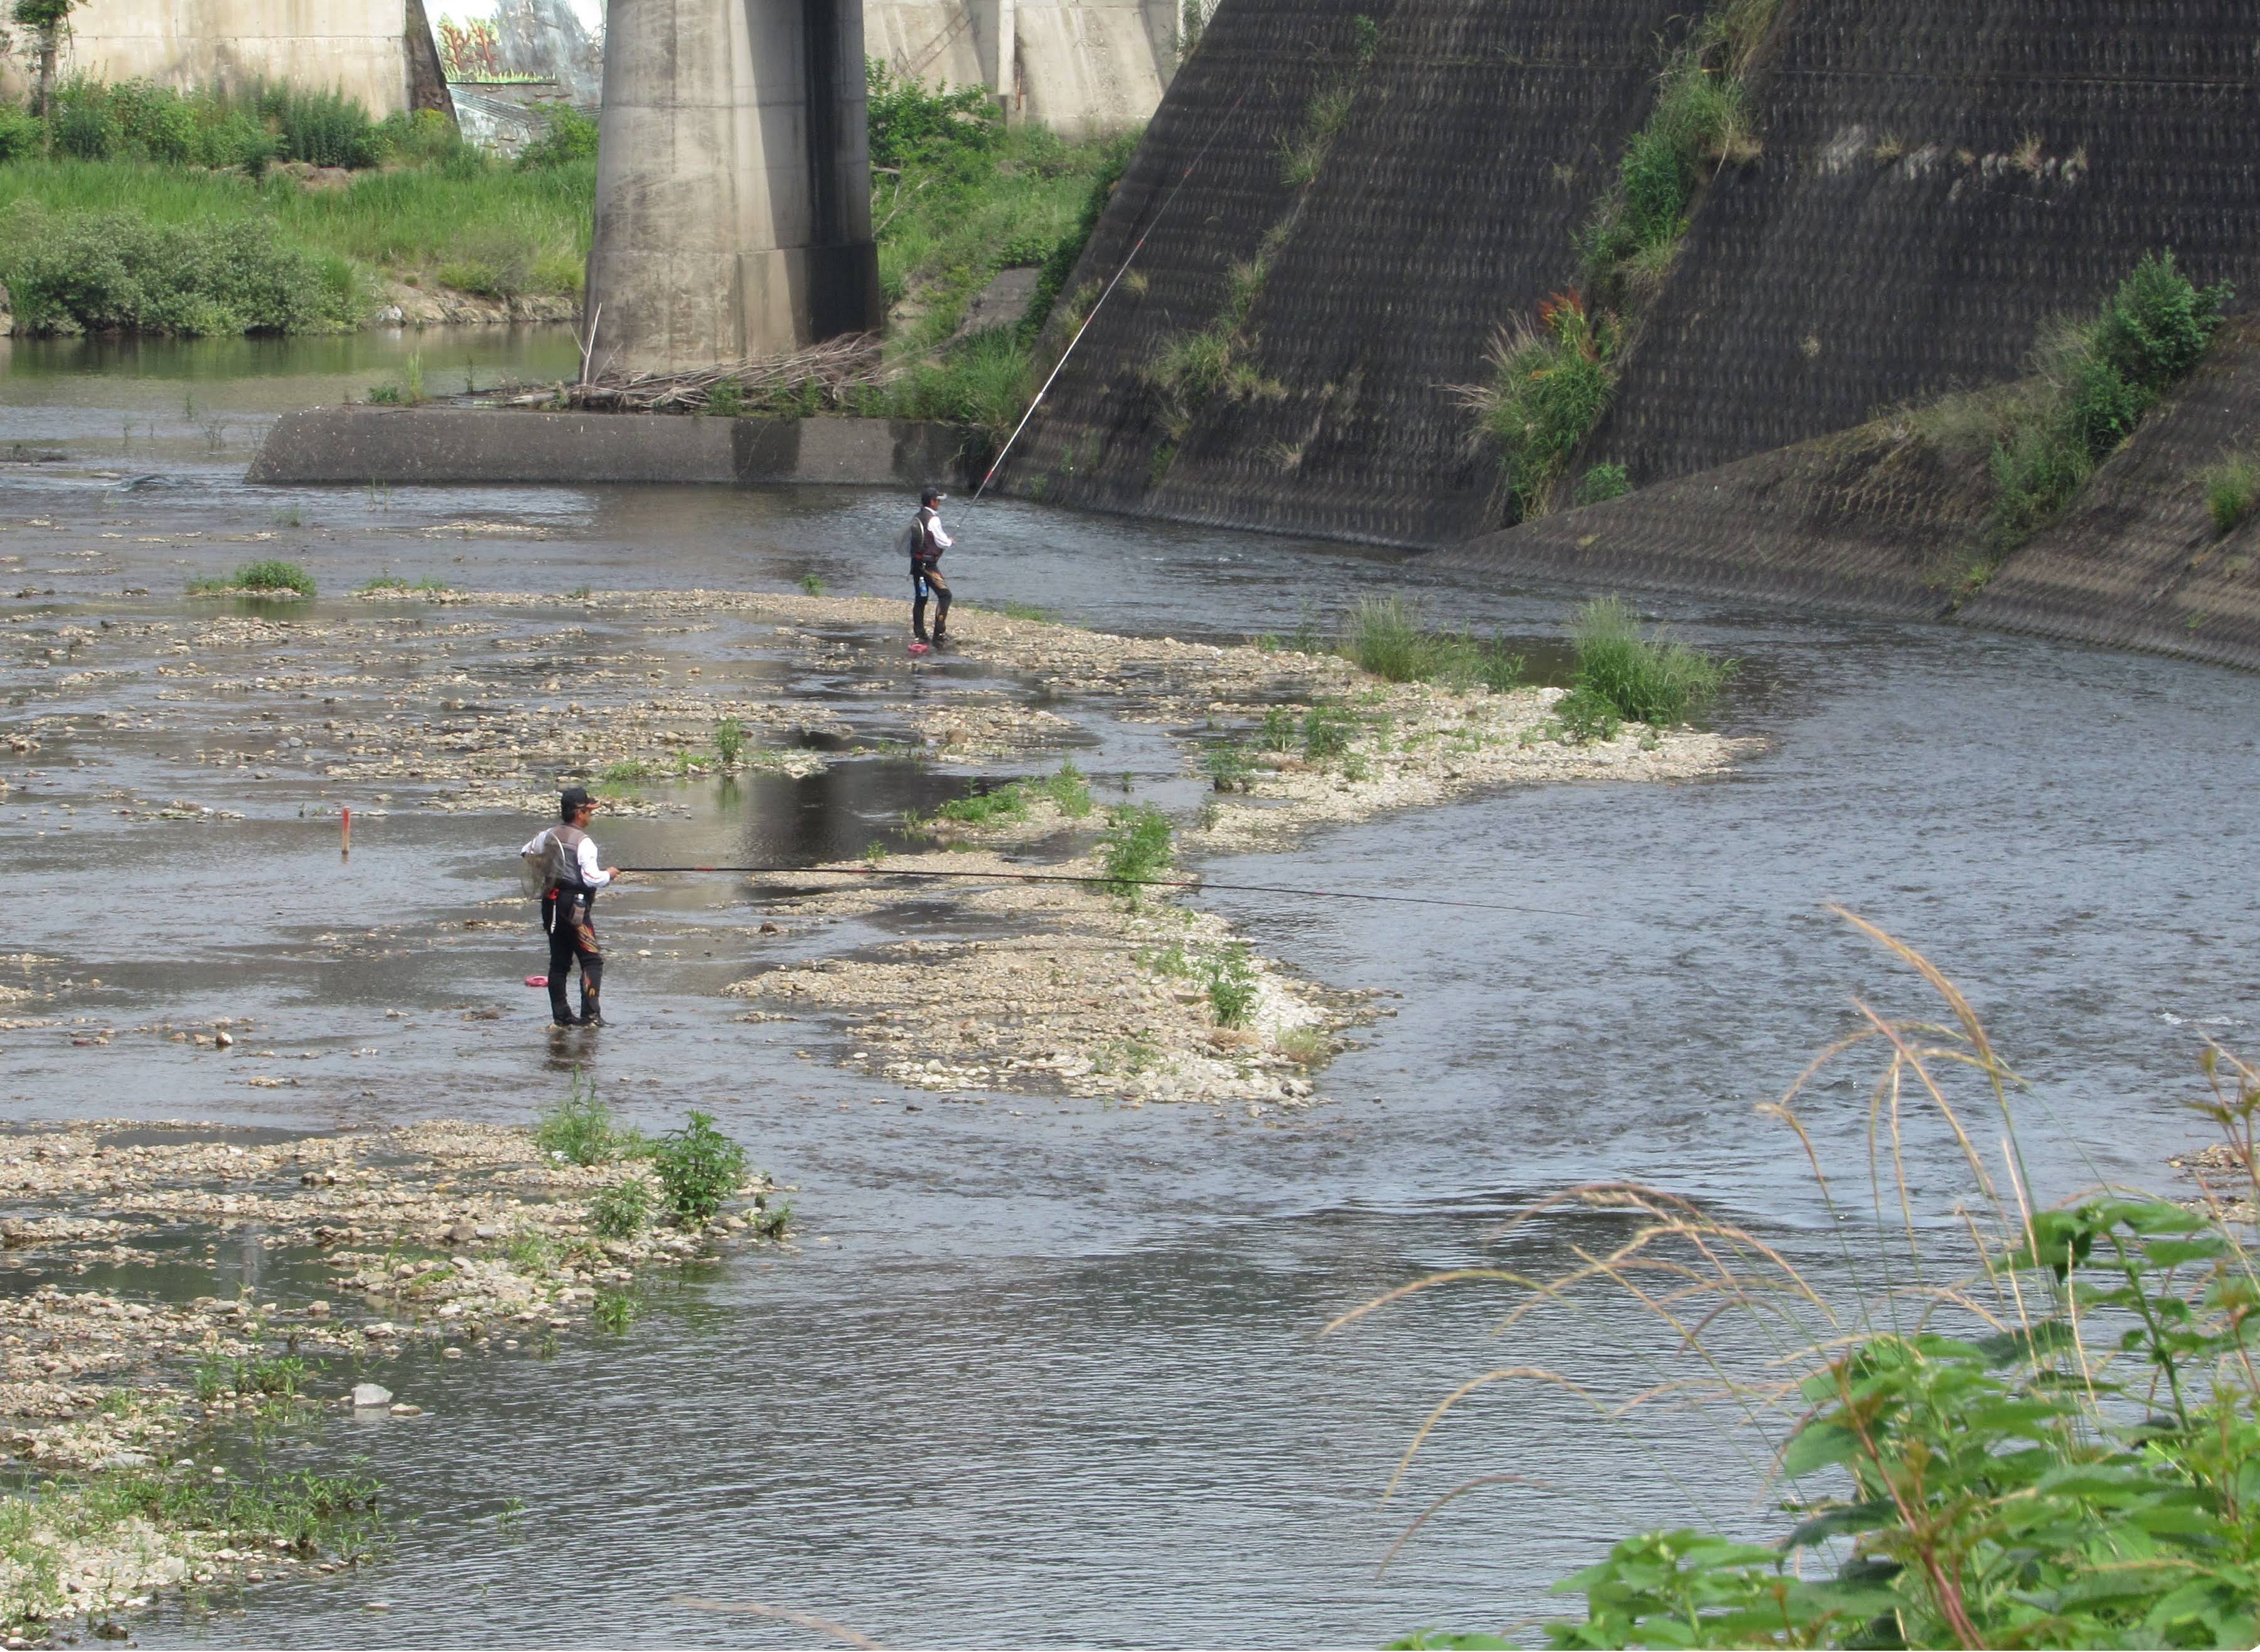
{"x":2050,"y":1442}
{"x":76,"y":271}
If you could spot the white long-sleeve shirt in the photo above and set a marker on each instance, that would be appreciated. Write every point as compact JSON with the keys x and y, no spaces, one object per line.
{"x":937,"y":541}
{"x":592,"y":871}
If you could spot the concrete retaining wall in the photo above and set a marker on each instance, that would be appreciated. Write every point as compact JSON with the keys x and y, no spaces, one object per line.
{"x":363,"y":445}
{"x":1084,"y":67}
{"x":357,"y":47}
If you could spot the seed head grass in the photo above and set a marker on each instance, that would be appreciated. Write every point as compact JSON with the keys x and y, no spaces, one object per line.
{"x":1964,"y":1431}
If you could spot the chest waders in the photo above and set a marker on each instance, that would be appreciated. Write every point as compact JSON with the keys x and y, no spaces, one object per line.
{"x":569,"y":918}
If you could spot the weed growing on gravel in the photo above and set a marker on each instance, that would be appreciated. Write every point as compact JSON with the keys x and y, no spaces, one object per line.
{"x":1327,"y":731}
{"x":622,"y":1210}
{"x":729,"y":742}
{"x":1278,"y":732}
{"x":1135,"y":847}
{"x":812,"y":584}
{"x":1230,"y":977}
{"x":770,"y":1221}
{"x":1069,"y":792}
{"x":1305,"y":1046}
{"x":579,"y":1130}
{"x":265,"y":577}
{"x":698,"y":1168}
{"x":384,"y":583}
{"x":1228,"y":767}
{"x":532,"y":1250}
{"x":1658,"y":683}
{"x":1584,"y":716}
{"x":615,"y":1310}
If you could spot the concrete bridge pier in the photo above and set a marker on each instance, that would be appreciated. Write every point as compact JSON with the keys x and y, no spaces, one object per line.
{"x":733,"y":198}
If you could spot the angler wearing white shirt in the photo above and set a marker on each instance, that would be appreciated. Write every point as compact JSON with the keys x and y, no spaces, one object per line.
{"x":927,"y":543}
{"x":562,"y":865}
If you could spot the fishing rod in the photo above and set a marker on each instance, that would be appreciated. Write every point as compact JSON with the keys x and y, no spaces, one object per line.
{"x":1144,"y":883}
{"x":1136,"y":247}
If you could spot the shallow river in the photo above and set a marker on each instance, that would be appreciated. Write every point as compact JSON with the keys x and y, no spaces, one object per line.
{"x":1052,"y":1371}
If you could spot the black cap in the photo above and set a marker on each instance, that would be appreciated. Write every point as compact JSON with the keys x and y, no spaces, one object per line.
{"x":571,"y":800}
{"x":931,"y":495}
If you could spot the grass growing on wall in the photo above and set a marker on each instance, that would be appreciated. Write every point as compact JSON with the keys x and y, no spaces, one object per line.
{"x":1551,"y":381}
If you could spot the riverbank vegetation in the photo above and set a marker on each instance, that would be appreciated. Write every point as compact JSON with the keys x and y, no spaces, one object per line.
{"x":2036,"y":1425}
{"x":136,"y":209}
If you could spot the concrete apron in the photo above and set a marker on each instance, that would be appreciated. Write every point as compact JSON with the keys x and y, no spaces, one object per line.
{"x":482,"y":445}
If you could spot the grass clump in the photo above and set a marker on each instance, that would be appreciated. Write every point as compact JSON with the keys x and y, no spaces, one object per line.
{"x":1384,"y":636}
{"x":428,"y":585}
{"x":1229,"y":766}
{"x":580,"y":1130}
{"x":622,"y":1210}
{"x":1305,"y":1046}
{"x":729,"y":742}
{"x":699,"y":1169}
{"x":1135,"y":848}
{"x":1659,"y":683}
{"x":1584,"y":715}
{"x":1549,"y":384}
{"x":2035,"y":1424}
{"x":2232,"y":489}
{"x":614,"y":1311}
{"x":1069,"y":791}
{"x":1004,"y":803}
{"x":265,"y":578}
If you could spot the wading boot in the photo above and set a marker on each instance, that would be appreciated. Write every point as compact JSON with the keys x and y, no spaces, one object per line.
{"x":560,"y":1011}
{"x":592,"y":1014}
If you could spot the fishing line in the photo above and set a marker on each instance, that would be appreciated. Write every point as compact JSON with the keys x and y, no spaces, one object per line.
{"x":1135,"y":248}
{"x":1195,"y":885}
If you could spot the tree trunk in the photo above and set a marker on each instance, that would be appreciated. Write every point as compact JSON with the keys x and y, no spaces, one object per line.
{"x":50,"y":44}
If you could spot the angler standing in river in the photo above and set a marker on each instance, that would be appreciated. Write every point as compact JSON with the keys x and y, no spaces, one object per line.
{"x":927,"y":542}
{"x":562,"y":862}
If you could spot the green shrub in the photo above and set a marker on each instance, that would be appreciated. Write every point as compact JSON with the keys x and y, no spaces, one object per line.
{"x":421,"y":138}
{"x":322,"y":128}
{"x":568,"y":136}
{"x":71,"y":273}
{"x":84,"y":128}
{"x":2159,"y":324}
{"x":2232,"y":488}
{"x":727,"y":400}
{"x":909,"y":124}
{"x":622,"y":1210}
{"x":1602,"y":482}
{"x":729,"y":741}
{"x":1134,"y":848}
{"x":1657,"y":683}
{"x":22,"y":133}
{"x":983,"y":384}
{"x":273,"y":575}
{"x":699,"y":1168}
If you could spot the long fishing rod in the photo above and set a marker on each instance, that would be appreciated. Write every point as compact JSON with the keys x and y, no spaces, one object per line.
{"x":1144,"y":883}
{"x":1136,"y":247}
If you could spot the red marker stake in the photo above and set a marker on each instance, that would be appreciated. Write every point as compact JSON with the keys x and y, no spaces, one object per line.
{"x":345,"y":834}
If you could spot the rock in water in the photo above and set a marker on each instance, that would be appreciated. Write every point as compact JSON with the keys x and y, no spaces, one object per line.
{"x":369,"y":1394}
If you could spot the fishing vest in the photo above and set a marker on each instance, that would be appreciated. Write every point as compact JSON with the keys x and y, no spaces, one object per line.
{"x":558,"y":865}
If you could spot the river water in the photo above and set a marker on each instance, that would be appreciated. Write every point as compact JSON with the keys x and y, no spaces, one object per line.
{"x":1046,"y":1372}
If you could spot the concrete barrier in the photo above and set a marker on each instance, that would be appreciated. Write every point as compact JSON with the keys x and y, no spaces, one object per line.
{"x":508,"y":444}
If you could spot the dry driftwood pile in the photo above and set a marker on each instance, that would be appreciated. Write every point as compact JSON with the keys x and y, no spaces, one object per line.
{"x":836,"y":367}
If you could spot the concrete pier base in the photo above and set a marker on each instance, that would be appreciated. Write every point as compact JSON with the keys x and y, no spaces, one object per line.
{"x":409,"y":445}
{"x":734,"y":214}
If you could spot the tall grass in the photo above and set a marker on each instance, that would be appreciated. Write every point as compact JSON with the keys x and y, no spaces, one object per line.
{"x":1656,"y":682}
{"x":1550,"y":381}
{"x":2033,"y":1425}
{"x":1385,"y":635}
